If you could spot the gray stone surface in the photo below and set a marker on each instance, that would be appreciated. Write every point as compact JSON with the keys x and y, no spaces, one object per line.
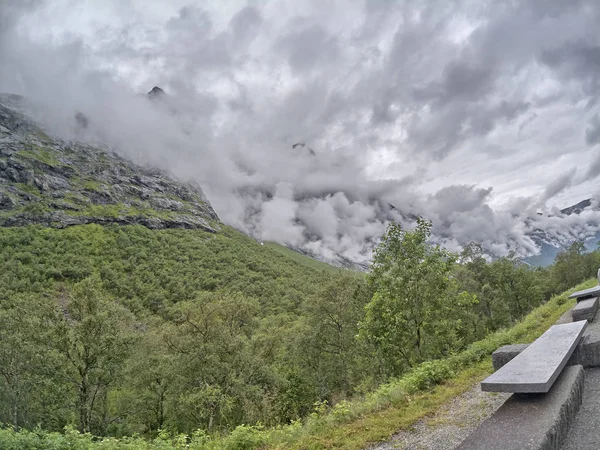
{"x":586,"y":293}
{"x":536,"y":368}
{"x":506,"y":353}
{"x":532,"y":421}
{"x":585,"y":309}
{"x":54,"y":183}
{"x":586,"y":354}
{"x":585,"y":432}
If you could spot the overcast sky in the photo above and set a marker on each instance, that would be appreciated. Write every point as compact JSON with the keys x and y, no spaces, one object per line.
{"x":469,"y":112}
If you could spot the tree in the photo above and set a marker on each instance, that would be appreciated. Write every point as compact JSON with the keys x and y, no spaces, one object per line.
{"x":330,"y":350}
{"x":517,"y":287}
{"x":410,"y":315}
{"x":31,"y":374}
{"x":95,"y":337}
{"x":572,"y":266}
{"x":219,"y":379}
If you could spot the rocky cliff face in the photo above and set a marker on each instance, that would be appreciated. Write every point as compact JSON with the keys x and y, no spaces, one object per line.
{"x":48,"y":181}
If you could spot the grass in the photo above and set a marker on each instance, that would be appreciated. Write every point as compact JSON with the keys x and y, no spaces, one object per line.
{"x":92,"y":185}
{"x":29,"y":189}
{"x":41,"y":154}
{"x":120,"y":210}
{"x":380,"y":425}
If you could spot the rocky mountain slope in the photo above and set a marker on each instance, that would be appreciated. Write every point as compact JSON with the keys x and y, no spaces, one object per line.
{"x":48,"y":181}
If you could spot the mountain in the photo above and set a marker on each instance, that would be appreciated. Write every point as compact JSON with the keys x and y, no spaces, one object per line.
{"x":52,"y":182}
{"x":578,"y":208}
{"x":552,"y":241}
{"x":55,"y":183}
{"x":122,"y":294}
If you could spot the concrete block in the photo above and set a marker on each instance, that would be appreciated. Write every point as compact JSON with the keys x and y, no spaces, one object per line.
{"x":587,"y":352}
{"x":586,"y":293}
{"x":585,"y":309}
{"x":584,"y":431}
{"x":505,"y":353}
{"x":532,"y":421}
{"x":537,"y":367}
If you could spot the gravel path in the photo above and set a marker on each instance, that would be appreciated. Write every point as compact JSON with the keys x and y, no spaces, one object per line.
{"x":450,"y":424}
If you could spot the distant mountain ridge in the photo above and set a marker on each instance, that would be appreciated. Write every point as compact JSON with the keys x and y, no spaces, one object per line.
{"x":578,"y":208}
{"x":552,"y":242}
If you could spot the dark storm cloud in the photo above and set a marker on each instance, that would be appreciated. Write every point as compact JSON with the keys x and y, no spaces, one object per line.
{"x":307,"y":45}
{"x":561,"y":183}
{"x":593,"y":170}
{"x":246,"y":25}
{"x":592,"y":132}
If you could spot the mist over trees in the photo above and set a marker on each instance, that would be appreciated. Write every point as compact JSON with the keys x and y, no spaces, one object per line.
{"x":124,"y":330}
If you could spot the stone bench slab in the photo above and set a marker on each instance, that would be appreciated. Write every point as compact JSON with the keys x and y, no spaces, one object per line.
{"x":585,"y":309}
{"x":586,"y":293}
{"x":536,"y":368}
{"x":586,"y":354}
{"x":532,"y":421}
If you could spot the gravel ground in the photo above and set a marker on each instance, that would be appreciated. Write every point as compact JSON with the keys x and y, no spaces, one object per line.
{"x":450,"y":424}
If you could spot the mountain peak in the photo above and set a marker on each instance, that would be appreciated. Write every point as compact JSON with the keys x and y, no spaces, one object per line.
{"x":577,"y":208}
{"x":156,"y":92}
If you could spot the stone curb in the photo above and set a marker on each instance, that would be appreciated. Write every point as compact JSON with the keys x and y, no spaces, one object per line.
{"x":532,"y":421}
{"x":585,"y":309}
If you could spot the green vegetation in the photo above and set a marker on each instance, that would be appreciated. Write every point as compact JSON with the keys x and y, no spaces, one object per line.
{"x":92,"y":185}
{"x":119,"y":210}
{"x":27,"y":188}
{"x":41,"y":154}
{"x":167,"y":338}
{"x":350,"y":425}
{"x":417,"y":311}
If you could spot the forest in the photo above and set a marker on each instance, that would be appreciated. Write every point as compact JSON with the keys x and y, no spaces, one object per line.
{"x":125,"y":331}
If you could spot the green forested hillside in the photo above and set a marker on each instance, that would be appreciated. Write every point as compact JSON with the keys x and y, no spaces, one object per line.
{"x":123,"y":330}
{"x":201,"y":328}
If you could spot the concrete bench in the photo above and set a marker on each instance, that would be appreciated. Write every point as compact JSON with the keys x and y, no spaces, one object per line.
{"x":585,"y":309}
{"x":536,"y":368}
{"x":586,"y":293}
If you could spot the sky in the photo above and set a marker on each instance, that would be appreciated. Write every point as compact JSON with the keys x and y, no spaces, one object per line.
{"x":475,"y":114}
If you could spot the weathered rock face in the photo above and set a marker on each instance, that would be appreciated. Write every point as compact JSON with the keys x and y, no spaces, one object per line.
{"x":47,"y":181}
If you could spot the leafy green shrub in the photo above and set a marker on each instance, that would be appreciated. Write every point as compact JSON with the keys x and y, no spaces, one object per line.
{"x":426,"y":375}
{"x":246,"y":437}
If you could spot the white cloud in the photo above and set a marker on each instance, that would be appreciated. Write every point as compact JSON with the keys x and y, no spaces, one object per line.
{"x":466,"y":109}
